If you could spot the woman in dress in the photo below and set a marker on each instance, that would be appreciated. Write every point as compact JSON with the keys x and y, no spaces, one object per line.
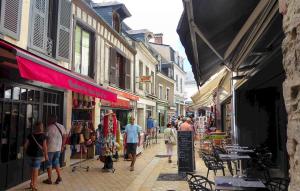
{"x":170,"y":140}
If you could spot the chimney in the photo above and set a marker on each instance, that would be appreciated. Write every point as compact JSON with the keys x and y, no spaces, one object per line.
{"x":158,"y":38}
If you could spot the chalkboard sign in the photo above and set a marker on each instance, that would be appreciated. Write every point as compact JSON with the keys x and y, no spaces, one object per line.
{"x":186,"y":155}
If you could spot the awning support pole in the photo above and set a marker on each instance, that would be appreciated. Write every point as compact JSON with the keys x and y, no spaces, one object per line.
{"x":234,"y":132}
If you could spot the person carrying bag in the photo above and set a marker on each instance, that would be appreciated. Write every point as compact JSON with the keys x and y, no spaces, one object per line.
{"x":36,"y":150}
{"x":170,"y":140}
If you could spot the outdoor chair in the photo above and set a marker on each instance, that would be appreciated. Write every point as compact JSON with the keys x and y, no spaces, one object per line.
{"x":278,"y":184}
{"x":212,"y":164}
{"x":199,"y":183}
{"x":219,"y":150}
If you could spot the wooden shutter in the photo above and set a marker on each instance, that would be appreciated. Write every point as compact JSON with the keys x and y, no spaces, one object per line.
{"x":127,"y":74}
{"x":63,"y":41}
{"x":11,"y":11}
{"x":38,"y":37}
{"x":112,"y":66}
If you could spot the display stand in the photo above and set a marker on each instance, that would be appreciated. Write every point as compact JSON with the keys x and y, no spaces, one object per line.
{"x":80,"y":162}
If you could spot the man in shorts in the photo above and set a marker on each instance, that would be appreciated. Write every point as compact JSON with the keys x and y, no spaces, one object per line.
{"x":56,"y":135}
{"x":133,"y":139}
{"x":150,"y":127}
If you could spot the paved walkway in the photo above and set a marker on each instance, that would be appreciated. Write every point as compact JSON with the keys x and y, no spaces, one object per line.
{"x":144,"y":178}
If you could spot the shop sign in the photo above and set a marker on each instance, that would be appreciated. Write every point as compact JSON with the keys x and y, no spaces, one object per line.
{"x":124,"y":94}
{"x":161,"y":108}
{"x":145,"y":79}
{"x":118,"y":104}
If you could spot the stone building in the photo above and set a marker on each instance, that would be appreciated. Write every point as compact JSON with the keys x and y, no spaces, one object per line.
{"x":172,"y":65}
{"x":260,"y":49}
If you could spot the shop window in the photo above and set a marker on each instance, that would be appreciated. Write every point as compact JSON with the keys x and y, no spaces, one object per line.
{"x":5,"y":133}
{"x":1,"y":91}
{"x":16,"y":93}
{"x":29,"y":116}
{"x":30,"y":95}
{"x":83,"y":52}
{"x":23,"y":96}
{"x":51,"y":27}
{"x":8,"y":92}
{"x":37,"y":96}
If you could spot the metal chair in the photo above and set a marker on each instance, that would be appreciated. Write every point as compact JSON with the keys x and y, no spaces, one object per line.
{"x":278,"y":184}
{"x":219,"y":150}
{"x":212,"y":164}
{"x":199,"y":183}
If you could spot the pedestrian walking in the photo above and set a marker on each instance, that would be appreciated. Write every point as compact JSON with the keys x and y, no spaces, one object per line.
{"x":170,"y":140}
{"x":133,"y":139}
{"x":150,"y":127}
{"x":186,"y":125}
{"x":56,"y":138}
{"x":36,"y":149}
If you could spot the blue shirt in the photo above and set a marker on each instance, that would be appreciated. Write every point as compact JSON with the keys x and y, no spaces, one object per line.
{"x":132,"y":132}
{"x":150,"y":123}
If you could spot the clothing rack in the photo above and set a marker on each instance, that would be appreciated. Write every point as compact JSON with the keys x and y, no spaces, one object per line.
{"x":80,"y":162}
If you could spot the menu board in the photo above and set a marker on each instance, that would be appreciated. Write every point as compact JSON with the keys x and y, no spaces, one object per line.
{"x":186,"y":155}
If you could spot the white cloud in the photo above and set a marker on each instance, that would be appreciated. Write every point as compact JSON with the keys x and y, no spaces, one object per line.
{"x":159,"y":16}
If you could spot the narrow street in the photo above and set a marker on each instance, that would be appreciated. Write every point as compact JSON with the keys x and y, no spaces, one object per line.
{"x":148,"y":167}
{"x":150,"y":164}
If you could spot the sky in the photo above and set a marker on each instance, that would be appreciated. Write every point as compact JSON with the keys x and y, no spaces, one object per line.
{"x":158,"y":16}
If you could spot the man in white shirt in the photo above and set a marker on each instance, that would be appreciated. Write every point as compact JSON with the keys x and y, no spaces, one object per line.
{"x":56,"y":138}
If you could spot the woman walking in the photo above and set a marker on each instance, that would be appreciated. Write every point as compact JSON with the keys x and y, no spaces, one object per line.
{"x":170,"y":140}
{"x":36,"y":149}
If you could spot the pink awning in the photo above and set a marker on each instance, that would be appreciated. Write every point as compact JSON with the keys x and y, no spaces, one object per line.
{"x":60,"y":77}
{"x":33,"y":67}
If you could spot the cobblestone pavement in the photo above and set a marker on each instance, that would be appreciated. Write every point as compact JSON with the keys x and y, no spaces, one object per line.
{"x":144,"y":178}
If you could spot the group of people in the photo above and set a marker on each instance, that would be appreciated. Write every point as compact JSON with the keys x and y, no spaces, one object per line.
{"x":170,"y":133}
{"x":45,"y":145}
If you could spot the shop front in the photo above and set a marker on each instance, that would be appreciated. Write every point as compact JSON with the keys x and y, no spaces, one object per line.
{"x":31,"y":89}
{"x":145,"y":108}
{"x":162,"y":109}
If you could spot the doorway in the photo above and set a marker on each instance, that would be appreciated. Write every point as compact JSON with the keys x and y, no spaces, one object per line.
{"x":20,"y":107}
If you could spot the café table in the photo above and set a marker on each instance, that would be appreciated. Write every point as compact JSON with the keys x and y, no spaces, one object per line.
{"x":240,"y":150}
{"x":236,"y":183}
{"x":235,"y":157}
{"x":235,"y":146}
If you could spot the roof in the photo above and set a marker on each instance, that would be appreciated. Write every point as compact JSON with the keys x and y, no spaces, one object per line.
{"x":120,"y":8}
{"x":141,"y":31}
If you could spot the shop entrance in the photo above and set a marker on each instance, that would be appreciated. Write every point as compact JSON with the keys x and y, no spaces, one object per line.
{"x":20,"y":107}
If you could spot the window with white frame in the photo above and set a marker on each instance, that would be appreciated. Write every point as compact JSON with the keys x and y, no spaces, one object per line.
{"x":141,"y":74}
{"x":160,"y":91}
{"x":181,"y":89}
{"x":177,"y":83}
{"x":167,"y":93}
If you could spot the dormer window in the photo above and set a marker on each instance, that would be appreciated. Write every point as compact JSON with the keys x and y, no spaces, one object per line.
{"x":116,"y":22}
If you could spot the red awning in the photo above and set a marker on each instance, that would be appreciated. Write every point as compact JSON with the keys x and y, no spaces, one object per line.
{"x":124,"y":104}
{"x":34,"y":68}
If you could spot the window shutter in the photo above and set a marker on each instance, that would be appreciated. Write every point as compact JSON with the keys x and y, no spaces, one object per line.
{"x":38,"y":37}
{"x":11,"y":17}
{"x":112,"y":66}
{"x":127,"y":74}
{"x":63,"y":41}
